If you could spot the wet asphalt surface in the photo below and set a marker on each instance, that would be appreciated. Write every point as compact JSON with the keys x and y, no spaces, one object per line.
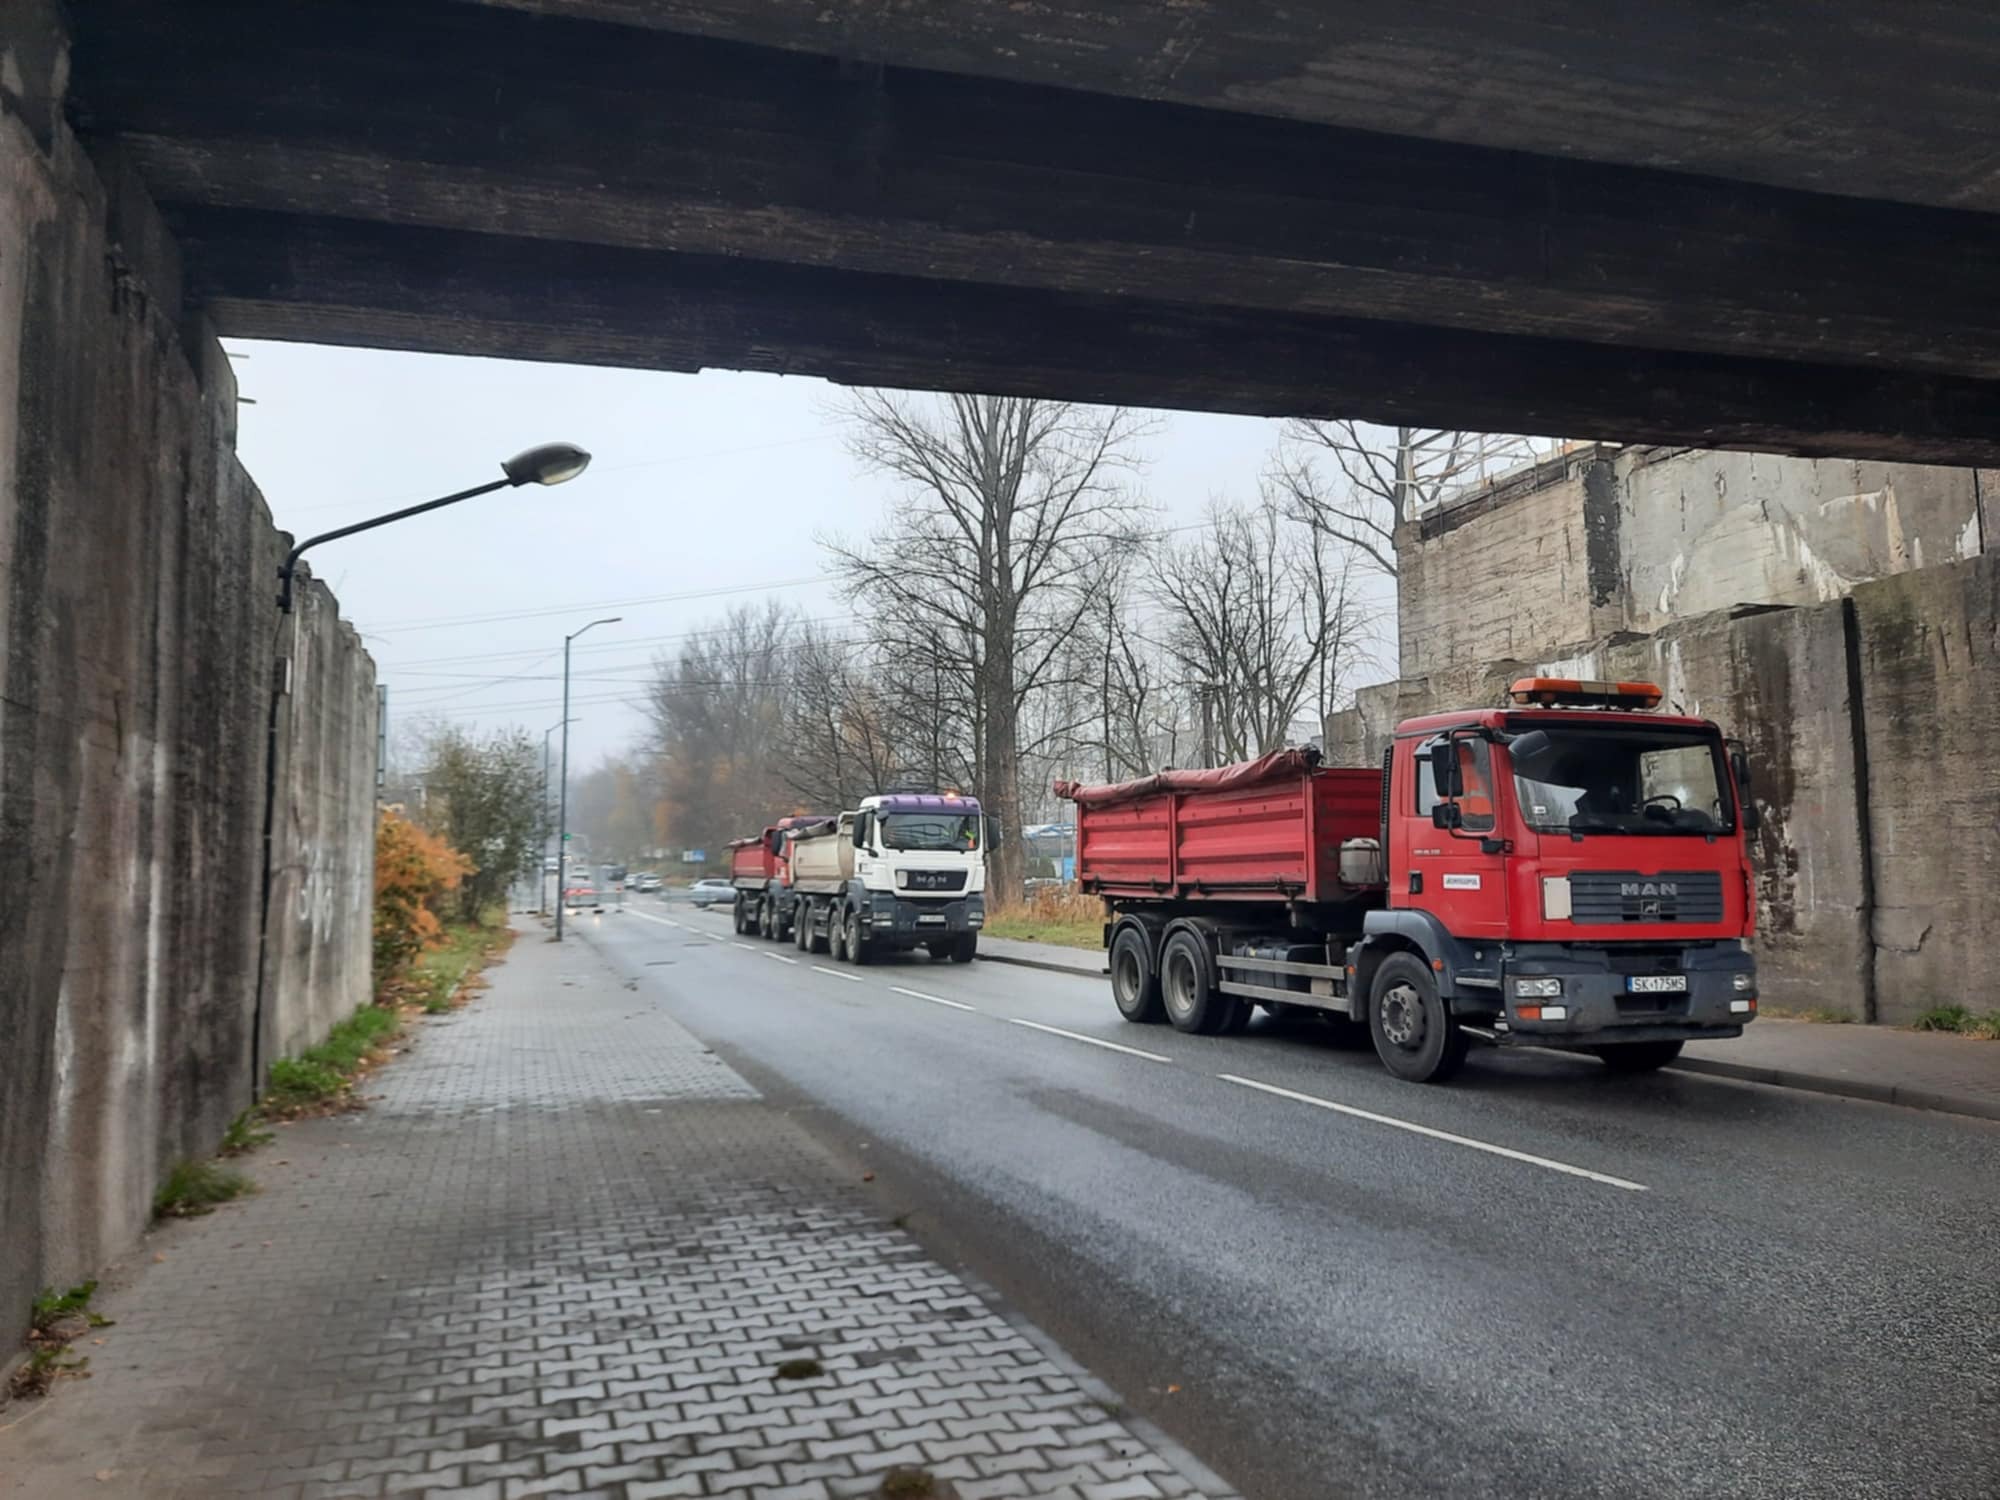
{"x":1672,"y":1286}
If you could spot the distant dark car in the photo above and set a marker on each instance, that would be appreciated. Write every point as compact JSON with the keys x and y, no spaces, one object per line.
{"x":711,"y":892}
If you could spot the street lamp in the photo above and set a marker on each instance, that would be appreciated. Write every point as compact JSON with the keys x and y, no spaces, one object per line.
{"x":542,"y":879}
{"x":552,"y":463}
{"x":562,"y":792}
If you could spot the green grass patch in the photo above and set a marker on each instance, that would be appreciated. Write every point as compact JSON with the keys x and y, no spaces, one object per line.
{"x":1824,"y":1015}
{"x":193,"y":1188}
{"x":244,"y":1135}
{"x":439,"y":976}
{"x":1027,"y":927}
{"x":52,"y":1307}
{"x":321,"y":1075}
{"x":1957,"y":1018}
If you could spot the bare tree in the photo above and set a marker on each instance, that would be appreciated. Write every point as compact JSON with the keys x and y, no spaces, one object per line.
{"x":1009,"y":505}
{"x":718,"y":713}
{"x":1384,"y":476}
{"x":1257,"y":620}
{"x":840,"y":743}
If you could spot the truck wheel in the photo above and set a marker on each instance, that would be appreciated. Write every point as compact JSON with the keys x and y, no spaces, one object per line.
{"x":1135,"y":988}
{"x":1414,"y":1033}
{"x":836,"y":937}
{"x":801,"y":931}
{"x":736,"y":916}
{"x":1187,"y":985}
{"x":1237,"y":1015}
{"x":816,"y":941}
{"x":965,"y":948}
{"x":1638,"y":1057}
{"x":857,"y":938}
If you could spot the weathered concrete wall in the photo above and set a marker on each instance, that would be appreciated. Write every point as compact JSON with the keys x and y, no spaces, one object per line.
{"x":1929,"y":665}
{"x":138,"y":632}
{"x":1706,"y":530}
{"x":1509,"y":571}
{"x":1873,"y":723}
{"x":1607,"y":539}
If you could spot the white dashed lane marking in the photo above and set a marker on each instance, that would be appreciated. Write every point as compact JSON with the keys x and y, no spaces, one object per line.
{"x":1437,"y":1135}
{"x":934,"y":999}
{"x":1095,"y":1041}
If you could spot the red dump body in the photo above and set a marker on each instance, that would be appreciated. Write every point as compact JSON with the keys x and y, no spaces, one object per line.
{"x":751,"y":861}
{"x":1269,"y":829}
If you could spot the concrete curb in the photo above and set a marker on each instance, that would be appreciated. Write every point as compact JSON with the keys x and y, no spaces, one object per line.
{"x":1044,"y":965}
{"x":1784,"y":1078}
{"x":1845,"y":1088}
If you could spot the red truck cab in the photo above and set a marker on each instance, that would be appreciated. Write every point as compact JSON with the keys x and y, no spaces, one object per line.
{"x":1569,"y":870}
{"x":1577,"y":864}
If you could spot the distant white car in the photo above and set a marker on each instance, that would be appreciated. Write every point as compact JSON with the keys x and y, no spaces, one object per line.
{"x":711,"y":892}
{"x":645,"y":880}
{"x":582,"y":898}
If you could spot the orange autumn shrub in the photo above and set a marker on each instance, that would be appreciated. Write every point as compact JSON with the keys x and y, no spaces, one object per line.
{"x":414,"y":870}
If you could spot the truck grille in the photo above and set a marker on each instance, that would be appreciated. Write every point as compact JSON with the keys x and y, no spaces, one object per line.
{"x":1604,"y":897}
{"x":936,"y":880}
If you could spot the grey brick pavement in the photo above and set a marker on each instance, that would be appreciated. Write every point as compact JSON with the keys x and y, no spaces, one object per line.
{"x":563,"y":1254}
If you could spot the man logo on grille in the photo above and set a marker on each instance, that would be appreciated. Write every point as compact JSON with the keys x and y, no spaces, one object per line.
{"x":1667,"y":888}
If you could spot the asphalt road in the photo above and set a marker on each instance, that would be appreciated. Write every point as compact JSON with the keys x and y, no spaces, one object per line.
{"x":1539,"y":1280}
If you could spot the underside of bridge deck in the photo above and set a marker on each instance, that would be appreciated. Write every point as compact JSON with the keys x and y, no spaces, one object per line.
{"x":1773,"y":227}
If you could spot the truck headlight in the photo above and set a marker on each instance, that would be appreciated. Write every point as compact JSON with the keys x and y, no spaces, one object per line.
{"x":1537,"y":989}
{"x":902,"y":879}
{"x":1743,"y":982}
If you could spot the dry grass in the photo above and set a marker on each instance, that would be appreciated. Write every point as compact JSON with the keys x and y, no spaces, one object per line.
{"x":1066,"y":918}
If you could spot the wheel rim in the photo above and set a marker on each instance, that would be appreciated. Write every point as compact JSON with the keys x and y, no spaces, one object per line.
{"x":1179,"y":988}
{"x":1125,"y":977}
{"x":854,"y":934}
{"x":1403,"y":1021}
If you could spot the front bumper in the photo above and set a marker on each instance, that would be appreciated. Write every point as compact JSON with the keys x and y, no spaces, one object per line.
{"x":1597,"y":1006}
{"x":899,"y":919}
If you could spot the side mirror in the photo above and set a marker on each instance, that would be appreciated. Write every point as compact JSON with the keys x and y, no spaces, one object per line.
{"x":1446,"y":774}
{"x":861,"y":830}
{"x":1447,"y":815}
{"x":1739,"y":766}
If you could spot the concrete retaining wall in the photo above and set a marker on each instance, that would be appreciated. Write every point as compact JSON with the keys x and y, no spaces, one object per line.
{"x":1873,"y":723}
{"x":138,"y":632}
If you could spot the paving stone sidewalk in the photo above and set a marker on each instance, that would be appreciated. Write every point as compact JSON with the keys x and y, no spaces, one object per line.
{"x":563,"y":1253}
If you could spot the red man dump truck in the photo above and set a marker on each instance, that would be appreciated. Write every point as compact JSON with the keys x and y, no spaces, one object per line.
{"x":1567,"y":871}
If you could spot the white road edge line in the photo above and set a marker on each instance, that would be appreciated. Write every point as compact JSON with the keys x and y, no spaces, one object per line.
{"x":780,"y":958}
{"x":1077,"y":1036}
{"x":1438,"y":1135}
{"x":822,"y":969}
{"x":934,"y":999}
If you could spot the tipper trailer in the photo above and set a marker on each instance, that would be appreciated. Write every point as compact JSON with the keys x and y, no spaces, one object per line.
{"x":1569,"y":871}
{"x":757,"y":870}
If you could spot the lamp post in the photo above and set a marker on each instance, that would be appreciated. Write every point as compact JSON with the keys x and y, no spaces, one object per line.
{"x":551,"y":463}
{"x":562,"y":790}
{"x":543,"y":876}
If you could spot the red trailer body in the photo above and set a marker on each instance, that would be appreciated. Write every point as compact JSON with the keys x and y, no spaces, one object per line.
{"x":1269,"y":829}
{"x":751,"y":860}
{"x":757,"y":869}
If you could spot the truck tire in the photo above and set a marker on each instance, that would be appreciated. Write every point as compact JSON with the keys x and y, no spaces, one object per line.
{"x":1187,"y":985}
{"x":1638,"y":1057}
{"x":836,"y":937}
{"x":856,"y":940}
{"x":965,"y":948}
{"x":1414,"y":1033}
{"x":1135,"y":983}
{"x":816,"y":941}
{"x":801,"y":931}
{"x":742,"y":926}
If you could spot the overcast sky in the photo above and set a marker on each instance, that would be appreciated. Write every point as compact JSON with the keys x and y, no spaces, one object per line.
{"x":706,"y":490}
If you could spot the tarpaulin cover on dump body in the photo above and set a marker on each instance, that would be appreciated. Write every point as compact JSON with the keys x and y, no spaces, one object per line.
{"x":1279,"y":765}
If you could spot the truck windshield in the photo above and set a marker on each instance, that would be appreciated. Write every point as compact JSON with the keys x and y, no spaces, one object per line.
{"x":929,"y":831}
{"x":1580,"y":779}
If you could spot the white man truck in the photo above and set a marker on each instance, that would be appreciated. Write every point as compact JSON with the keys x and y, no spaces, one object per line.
{"x":901,"y":871}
